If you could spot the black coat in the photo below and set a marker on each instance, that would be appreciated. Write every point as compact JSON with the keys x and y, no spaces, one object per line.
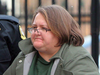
{"x":9,"y":38}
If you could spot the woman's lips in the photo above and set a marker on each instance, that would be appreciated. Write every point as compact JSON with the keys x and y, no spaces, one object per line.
{"x":39,"y":39}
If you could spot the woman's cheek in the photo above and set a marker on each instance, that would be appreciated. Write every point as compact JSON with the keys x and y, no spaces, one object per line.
{"x":32,"y":37}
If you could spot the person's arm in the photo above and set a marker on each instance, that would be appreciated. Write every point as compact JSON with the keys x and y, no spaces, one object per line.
{"x":83,"y":65}
{"x":5,"y":56}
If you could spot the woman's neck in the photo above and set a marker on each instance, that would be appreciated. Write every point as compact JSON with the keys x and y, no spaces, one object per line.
{"x":47,"y":55}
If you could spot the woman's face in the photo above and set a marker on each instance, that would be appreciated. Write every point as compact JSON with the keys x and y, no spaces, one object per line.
{"x":42,"y":40}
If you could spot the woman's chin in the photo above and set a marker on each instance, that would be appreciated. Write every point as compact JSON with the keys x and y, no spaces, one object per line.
{"x":37,"y":45}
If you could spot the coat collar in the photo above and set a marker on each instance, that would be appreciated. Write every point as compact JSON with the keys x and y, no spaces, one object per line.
{"x":61,"y":52}
{"x":26,"y":46}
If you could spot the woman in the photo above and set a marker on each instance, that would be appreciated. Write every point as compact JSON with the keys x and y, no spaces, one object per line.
{"x":55,"y":47}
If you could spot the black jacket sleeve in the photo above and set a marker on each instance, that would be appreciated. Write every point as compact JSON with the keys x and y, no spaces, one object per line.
{"x":9,"y":38}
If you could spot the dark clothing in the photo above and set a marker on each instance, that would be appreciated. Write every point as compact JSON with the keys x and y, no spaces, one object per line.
{"x":39,"y":66}
{"x":9,"y":38}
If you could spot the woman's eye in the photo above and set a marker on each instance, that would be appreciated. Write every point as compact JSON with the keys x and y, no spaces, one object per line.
{"x":34,"y":27}
{"x":44,"y":28}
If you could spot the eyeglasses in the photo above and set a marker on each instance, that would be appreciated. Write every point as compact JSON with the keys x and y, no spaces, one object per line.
{"x":38,"y":30}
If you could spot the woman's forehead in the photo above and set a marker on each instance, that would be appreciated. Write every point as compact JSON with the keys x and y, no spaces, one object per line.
{"x":39,"y":20}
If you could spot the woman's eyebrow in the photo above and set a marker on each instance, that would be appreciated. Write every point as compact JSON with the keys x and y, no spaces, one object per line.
{"x":40,"y":25}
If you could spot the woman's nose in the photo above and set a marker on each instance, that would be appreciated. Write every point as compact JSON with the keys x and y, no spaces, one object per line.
{"x":37,"y":31}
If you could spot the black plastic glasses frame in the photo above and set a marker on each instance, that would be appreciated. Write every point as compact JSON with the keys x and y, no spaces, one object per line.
{"x":31,"y":29}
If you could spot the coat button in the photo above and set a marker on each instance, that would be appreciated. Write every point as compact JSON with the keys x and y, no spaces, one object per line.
{"x":20,"y":61}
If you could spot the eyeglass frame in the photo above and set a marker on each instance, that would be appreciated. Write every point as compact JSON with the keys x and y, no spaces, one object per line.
{"x":31,"y":29}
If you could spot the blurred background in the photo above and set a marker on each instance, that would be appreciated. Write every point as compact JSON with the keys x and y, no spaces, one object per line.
{"x":85,"y":12}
